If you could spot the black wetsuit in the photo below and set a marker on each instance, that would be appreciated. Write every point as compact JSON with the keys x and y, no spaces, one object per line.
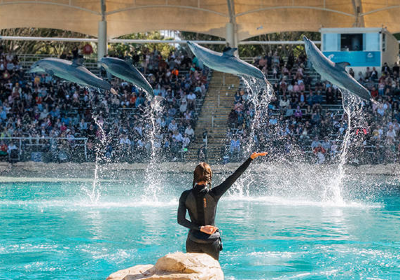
{"x":201,"y":203}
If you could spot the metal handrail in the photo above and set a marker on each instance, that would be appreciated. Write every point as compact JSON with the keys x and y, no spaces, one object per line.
{"x":20,"y":139}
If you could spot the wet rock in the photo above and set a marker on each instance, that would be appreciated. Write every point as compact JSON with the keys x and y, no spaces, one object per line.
{"x":176,"y":266}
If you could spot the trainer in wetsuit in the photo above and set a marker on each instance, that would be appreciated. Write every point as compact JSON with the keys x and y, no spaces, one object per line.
{"x":201,"y":203}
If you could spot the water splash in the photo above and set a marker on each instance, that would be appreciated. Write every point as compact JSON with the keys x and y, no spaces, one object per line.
{"x":261,"y":94}
{"x":153,"y":179}
{"x":328,"y":186}
{"x":94,"y":193}
{"x":352,"y":106}
{"x":260,"y":97}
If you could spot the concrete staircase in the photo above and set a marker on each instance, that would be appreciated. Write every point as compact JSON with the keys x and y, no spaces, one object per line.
{"x":213,"y":117}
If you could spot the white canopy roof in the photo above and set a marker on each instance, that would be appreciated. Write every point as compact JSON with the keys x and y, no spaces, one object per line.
{"x":249,"y":17}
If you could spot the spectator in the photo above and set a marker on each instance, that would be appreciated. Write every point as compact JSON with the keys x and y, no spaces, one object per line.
{"x":235,"y":146}
{"x":391,"y":133}
{"x":3,"y":149}
{"x":191,"y":99}
{"x":173,"y":126}
{"x":11,"y":147}
{"x":319,"y":151}
{"x":189,"y":132}
{"x":326,"y":144}
{"x":202,"y":154}
{"x":315,"y":143}
{"x":185,"y":141}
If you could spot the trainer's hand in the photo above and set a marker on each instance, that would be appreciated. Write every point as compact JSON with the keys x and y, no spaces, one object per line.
{"x":256,"y":155}
{"x":208,"y":229}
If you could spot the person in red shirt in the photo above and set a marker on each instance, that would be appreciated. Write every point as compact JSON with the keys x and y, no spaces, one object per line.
{"x":132,"y":100}
{"x":3,"y":149}
{"x":374,"y":93}
{"x":319,"y":149}
{"x":63,"y":127}
{"x":39,"y":99}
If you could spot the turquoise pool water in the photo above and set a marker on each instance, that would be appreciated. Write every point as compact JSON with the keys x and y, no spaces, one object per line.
{"x":271,"y":230}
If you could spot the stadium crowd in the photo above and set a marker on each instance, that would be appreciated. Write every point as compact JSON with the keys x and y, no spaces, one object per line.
{"x":58,"y":118}
{"x":305,"y":115}
{"x":70,"y":122}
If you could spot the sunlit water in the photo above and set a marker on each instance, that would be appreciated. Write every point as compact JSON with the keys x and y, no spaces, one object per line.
{"x":260,"y":95}
{"x":352,"y":106}
{"x":274,"y":227}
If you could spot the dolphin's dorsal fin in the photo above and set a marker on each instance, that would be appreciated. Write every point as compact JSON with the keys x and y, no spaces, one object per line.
{"x":77,"y":62}
{"x":230,"y":52}
{"x":342,"y":65}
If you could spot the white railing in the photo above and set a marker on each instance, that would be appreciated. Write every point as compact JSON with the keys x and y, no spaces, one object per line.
{"x":38,"y":142}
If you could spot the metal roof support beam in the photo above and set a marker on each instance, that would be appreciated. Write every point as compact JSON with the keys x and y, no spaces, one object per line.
{"x":359,"y":21}
{"x":230,"y":34}
{"x":231,"y":27}
{"x":102,"y":31}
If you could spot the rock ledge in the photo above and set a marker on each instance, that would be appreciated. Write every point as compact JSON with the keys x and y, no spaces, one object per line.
{"x":175,"y":266}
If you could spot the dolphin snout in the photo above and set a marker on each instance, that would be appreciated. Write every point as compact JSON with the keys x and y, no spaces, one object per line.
{"x":35,"y":69}
{"x":191,"y":45}
{"x":307,"y":42}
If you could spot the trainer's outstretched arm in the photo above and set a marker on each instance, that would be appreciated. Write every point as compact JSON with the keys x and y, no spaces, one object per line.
{"x":221,"y":189}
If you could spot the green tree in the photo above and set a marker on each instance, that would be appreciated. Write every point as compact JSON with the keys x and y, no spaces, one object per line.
{"x":284,"y":50}
{"x":126,"y":48}
{"x":40,"y":47}
{"x":256,"y":50}
{"x":193,"y":36}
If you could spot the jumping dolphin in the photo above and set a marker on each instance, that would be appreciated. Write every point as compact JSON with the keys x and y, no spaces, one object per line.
{"x":334,"y":72}
{"x":126,"y":72}
{"x":225,"y":62}
{"x":70,"y":71}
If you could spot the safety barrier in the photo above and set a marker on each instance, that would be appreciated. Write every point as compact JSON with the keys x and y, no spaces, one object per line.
{"x":36,"y":146}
